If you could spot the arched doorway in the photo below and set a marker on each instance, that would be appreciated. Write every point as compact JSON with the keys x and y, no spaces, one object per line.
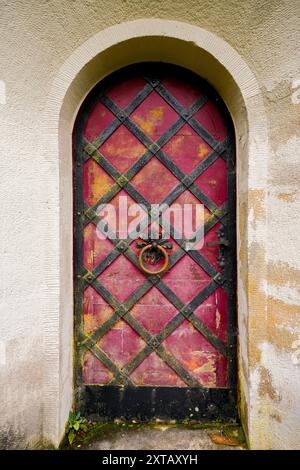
{"x":155,"y":345}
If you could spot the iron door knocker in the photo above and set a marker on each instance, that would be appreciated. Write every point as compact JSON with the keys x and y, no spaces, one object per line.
{"x":152,"y":251}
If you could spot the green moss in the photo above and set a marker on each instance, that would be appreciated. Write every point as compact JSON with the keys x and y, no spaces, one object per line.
{"x":243,"y":408}
{"x":43,"y":444}
{"x":100,"y":431}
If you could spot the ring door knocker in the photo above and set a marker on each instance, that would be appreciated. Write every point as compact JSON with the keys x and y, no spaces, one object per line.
{"x":153,"y":251}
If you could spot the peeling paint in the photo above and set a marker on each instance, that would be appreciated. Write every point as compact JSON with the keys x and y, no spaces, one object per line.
{"x":265,"y":385}
{"x":287,"y":197}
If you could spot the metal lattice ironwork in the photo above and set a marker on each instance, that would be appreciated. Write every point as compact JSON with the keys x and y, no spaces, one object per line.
{"x":84,"y":214}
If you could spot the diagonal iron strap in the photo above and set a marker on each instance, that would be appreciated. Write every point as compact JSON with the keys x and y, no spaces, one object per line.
{"x":170,"y":327}
{"x":123,"y":181}
{"x":90,"y":342}
{"x":153,"y":147}
{"x":142,"y":290}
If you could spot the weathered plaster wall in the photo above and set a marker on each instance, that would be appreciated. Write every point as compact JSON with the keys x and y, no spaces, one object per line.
{"x":37,"y":38}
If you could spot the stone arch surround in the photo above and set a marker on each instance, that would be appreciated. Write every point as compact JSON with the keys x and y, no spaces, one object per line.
{"x":216,"y":61}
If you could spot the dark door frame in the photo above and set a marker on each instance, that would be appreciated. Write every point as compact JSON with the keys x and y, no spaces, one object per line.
{"x":146,"y":403}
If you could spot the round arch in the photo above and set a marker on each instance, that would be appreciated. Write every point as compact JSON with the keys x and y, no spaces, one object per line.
{"x":211,"y":58}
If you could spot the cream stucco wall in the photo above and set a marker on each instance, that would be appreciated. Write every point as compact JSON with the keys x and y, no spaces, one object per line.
{"x":37,"y":41}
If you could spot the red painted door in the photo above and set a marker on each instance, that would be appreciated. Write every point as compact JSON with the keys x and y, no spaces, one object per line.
{"x":154,"y":345}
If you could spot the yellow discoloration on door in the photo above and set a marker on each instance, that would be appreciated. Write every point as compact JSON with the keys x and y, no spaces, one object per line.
{"x":151,"y":120}
{"x":202,"y":151}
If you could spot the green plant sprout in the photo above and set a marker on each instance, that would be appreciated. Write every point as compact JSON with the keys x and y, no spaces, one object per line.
{"x":74,"y":425}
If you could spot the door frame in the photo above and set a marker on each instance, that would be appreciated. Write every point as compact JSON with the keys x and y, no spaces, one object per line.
{"x":103,"y":402}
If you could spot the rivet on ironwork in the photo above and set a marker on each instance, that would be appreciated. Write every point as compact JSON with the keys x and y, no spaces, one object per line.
{"x":90,"y":213}
{"x":88,"y":276}
{"x":154,"y":147}
{"x":221,"y":262}
{"x":217,"y":212}
{"x":122,"y":246}
{"x":154,"y":279}
{"x":186,"y":114}
{"x":123,"y":380}
{"x":78,"y":213}
{"x":187,"y":181}
{"x":121,"y":311}
{"x":122,"y":116}
{"x":187,"y":311}
{"x":154,"y":82}
{"x":78,"y":164}
{"x":154,"y":343}
{"x":219,"y":279}
{"x":90,"y":149}
{"x":122,"y":181}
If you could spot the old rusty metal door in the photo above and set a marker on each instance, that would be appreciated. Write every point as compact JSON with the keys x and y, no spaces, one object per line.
{"x":155,"y":345}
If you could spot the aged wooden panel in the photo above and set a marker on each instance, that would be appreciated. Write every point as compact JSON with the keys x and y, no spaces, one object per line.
{"x":155,"y":134}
